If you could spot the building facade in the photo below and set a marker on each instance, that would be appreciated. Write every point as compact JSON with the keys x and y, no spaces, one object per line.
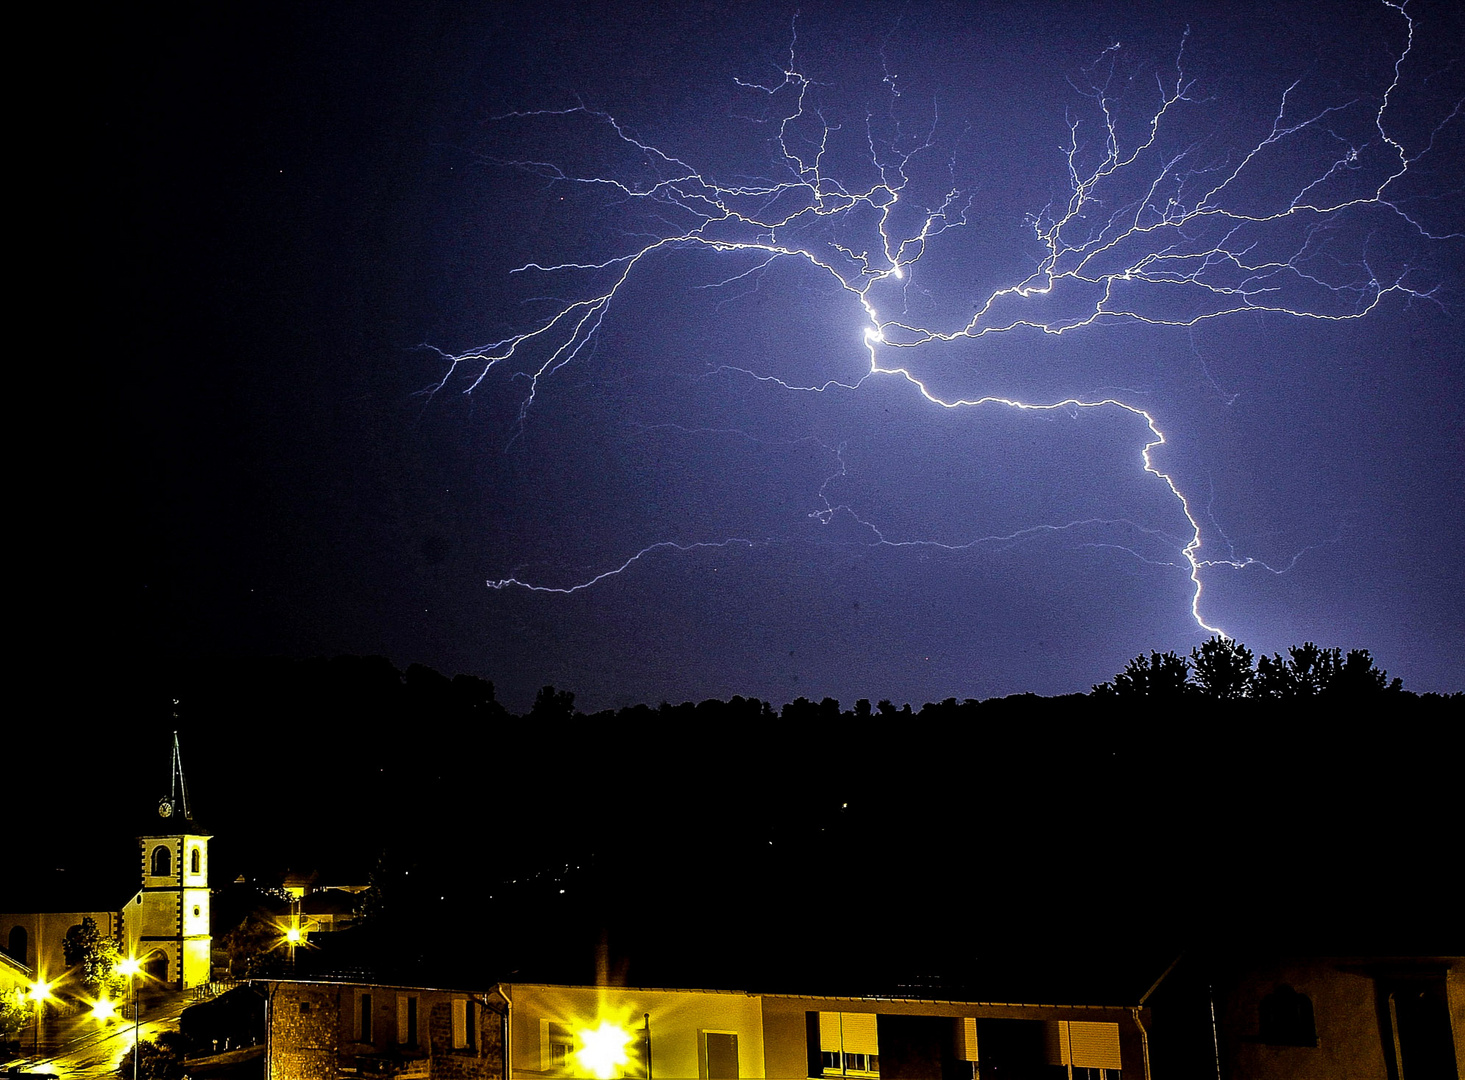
{"x":1360,"y":1018}
{"x":322,"y":1030}
{"x":535,"y":1031}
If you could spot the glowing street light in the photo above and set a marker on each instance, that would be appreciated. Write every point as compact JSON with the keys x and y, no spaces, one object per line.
{"x":39,"y":993}
{"x":130,"y":967}
{"x":103,"y":1011}
{"x":603,"y":1051}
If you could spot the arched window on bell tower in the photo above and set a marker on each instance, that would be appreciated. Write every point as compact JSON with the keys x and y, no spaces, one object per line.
{"x":17,"y":943}
{"x":162,"y":861}
{"x":194,"y":862}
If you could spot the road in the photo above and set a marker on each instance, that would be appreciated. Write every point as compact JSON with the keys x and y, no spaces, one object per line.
{"x":78,"y":1048}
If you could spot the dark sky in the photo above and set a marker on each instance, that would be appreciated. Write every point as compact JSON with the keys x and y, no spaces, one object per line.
{"x":298,"y":212}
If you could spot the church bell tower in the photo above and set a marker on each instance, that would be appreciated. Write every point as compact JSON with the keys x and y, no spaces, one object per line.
{"x":166,"y":924}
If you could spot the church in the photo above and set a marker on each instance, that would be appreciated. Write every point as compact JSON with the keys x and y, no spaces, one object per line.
{"x":164,"y":923}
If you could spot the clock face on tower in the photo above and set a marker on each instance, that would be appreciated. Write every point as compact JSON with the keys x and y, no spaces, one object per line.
{"x":165,"y":808}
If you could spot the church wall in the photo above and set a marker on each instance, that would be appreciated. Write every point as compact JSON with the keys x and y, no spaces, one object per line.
{"x":44,"y":933}
{"x":155,"y":917}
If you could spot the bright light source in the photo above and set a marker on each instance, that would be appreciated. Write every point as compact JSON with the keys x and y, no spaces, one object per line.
{"x":603,"y":1050}
{"x":103,"y":1010}
{"x":129,"y":967}
{"x":292,"y":935}
{"x":39,"y":991}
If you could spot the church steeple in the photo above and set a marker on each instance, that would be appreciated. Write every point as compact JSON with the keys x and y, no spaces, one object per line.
{"x":166,"y":924}
{"x":175,"y":805}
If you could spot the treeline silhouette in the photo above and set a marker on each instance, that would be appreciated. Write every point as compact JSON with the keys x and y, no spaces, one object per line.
{"x":1221,"y":669}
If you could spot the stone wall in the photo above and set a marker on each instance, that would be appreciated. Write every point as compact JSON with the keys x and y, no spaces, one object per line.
{"x":310,"y":1028}
{"x":482,"y":1061}
{"x":304,"y":1029}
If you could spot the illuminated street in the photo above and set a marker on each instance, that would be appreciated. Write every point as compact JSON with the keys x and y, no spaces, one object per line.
{"x":77,"y":1046}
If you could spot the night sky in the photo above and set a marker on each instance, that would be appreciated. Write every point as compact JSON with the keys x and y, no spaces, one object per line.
{"x":299,"y":213}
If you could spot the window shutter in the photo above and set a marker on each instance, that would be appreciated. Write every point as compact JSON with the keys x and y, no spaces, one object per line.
{"x":1095,"y":1046}
{"x":860,"y":1036}
{"x":968,"y":1045}
{"x":460,"y":1024}
{"x":829,"y":1037}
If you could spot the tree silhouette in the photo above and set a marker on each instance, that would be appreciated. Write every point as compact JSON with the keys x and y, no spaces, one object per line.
{"x":1358,"y":677}
{"x":553,"y":706}
{"x":1163,"y":675}
{"x":1222,"y":671}
{"x":1310,"y":671}
{"x":158,"y":1059}
{"x":1222,"y":668}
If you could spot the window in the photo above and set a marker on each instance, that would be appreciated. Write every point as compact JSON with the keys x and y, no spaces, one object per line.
{"x":16,"y":948}
{"x":194,"y":861}
{"x":407,"y":1019}
{"x":1285,"y":1019}
{"x":720,"y":1055}
{"x":849,"y":1044}
{"x":1419,"y":1042}
{"x":1090,"y":1048}
{"x":162,"y":861}
{"x":363,"y":1027}
{"x":556,"y":1045}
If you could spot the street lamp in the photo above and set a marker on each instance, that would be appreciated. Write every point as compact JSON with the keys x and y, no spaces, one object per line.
{"x":603,"y":1050}
{"x":130,"y":967}
{"x":39,"y":993}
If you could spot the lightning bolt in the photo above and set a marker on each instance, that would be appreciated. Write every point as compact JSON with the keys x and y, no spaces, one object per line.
{"x":1150,"y":230}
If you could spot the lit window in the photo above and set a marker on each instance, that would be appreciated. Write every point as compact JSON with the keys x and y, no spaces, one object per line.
{"x":162,"y":861}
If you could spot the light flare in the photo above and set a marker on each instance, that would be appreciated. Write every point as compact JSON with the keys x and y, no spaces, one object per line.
{"x":602,"y":1050}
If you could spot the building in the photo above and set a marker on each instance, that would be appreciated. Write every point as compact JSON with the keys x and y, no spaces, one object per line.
{"x":1364,"y":1018}
{"x":34,"y":938}
{"x":536,"y":1031}
{"x":316,"y":1030}
{"x":164,"y":923}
